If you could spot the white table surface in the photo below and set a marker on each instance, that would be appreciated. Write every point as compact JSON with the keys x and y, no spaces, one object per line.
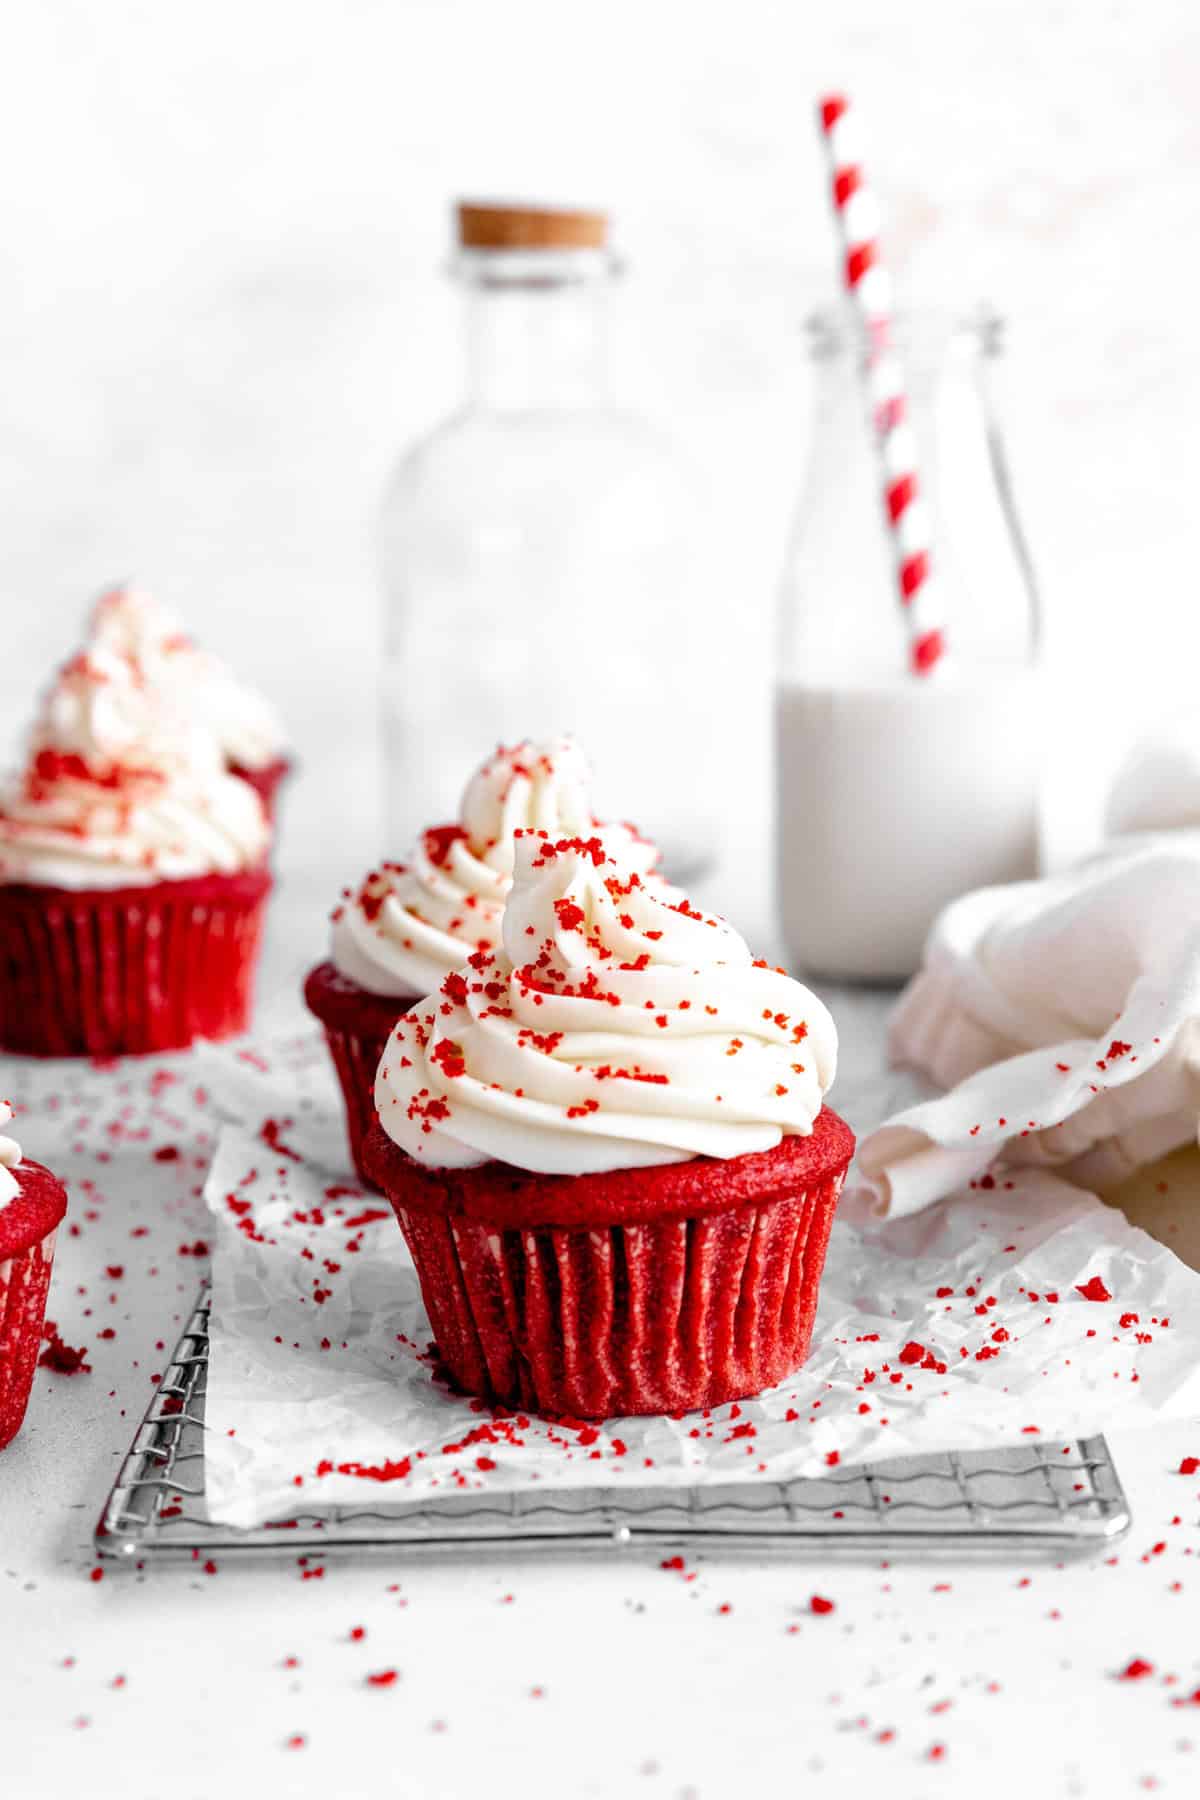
{"x":563,"y":1678}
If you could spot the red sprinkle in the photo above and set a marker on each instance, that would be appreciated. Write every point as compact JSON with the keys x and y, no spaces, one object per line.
{"x":270,"y":1135}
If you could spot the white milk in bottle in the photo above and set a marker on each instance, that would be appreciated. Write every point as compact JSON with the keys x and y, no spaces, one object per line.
{"x":893,"y":798}
{"x":897,"y":793}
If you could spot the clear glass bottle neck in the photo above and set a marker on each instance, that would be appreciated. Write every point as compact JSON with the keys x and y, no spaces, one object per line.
{"x":842,"y":618}
{"x":535,"y":347}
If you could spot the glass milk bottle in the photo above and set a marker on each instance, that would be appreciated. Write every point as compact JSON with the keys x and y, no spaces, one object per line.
{"x":542,"y":557}
{"x":897,"y":793}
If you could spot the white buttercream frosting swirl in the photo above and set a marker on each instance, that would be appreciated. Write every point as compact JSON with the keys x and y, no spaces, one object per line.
{"x":10,"y":1156}
{"x":118,"y":790}
{"x":617,"y":1027}
{"x":411,"y":923}
{"x":245,"y":725}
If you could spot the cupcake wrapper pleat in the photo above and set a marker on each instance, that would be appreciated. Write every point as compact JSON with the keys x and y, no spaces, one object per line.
{"x":98,"y":974}
{"x":24,"y":1285}
{"x":603,"y":1322}
{"x":356,"y":1058}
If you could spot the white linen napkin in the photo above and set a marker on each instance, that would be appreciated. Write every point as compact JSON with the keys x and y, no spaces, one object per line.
{"x":1157,"y":787}
{"x":1064,"y":1014}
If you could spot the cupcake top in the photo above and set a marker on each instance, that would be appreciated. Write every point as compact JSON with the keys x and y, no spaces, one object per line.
{"x":617,"y":1027}
{"x":247,"y":729}
{"x":118,"y":791}
{"x":411,"y":923}
{"x":10,"y":1156}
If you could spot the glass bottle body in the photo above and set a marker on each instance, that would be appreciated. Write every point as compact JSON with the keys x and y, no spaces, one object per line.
{"x":541,"y":556}
{"x":895,"y":793}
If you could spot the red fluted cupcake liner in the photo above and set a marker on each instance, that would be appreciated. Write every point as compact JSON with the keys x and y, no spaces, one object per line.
{"x":121,"y":971}
{"x":28,"y":1226}
{"x":357,"y":1026}
{"x":645,"y":1291}
{"x":266,"y":782}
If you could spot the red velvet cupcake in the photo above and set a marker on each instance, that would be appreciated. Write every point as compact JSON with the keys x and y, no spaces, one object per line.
{"x":607,"y":1148}
{"x":409,"y":924}
{"x":133,"y":876}
{"x":32,"y":1204}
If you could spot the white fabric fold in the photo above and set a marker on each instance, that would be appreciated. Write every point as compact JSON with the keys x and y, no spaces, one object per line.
{"x":1064,"y":1017}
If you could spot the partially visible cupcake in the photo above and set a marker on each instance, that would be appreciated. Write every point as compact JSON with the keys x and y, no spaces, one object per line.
{"x":32,"y":1204}
{"x":133,"y":875}
{"x":199,"y":686}
{"x":607,"y":1146}
{"x":410,"y":923}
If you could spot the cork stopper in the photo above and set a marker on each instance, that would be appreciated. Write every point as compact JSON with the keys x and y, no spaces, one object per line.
{"x":492,"y":225}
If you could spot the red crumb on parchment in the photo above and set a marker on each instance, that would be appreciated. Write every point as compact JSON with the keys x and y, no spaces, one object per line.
{"x":270,"y":1133}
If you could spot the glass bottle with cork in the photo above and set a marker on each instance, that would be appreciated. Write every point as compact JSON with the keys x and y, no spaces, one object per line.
{"x":896,"y":794}
{"x":543,"y":557}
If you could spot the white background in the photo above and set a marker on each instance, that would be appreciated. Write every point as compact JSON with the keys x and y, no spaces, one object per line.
{"x":222,"y":314}
{"x":220,"y":319}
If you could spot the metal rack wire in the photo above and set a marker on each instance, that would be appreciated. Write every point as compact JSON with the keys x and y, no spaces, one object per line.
{"x":1052,"y":1500}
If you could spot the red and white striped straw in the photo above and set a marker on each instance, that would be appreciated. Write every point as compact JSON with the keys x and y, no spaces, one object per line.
{"x":870,"y":288}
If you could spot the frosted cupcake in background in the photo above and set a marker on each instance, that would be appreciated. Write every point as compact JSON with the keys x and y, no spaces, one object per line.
{"x":133,"y":875}
{"x":410,"y":923}
{"x":607,"y":1146}
{"x":196,"y":685}
{"x":32,"y":1204}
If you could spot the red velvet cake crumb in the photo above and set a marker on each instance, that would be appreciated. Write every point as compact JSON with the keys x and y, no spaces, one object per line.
{"x":60,"y":1357}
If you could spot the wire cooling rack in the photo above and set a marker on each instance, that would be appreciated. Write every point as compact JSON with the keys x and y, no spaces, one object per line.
{"x":1055,"y":1500}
